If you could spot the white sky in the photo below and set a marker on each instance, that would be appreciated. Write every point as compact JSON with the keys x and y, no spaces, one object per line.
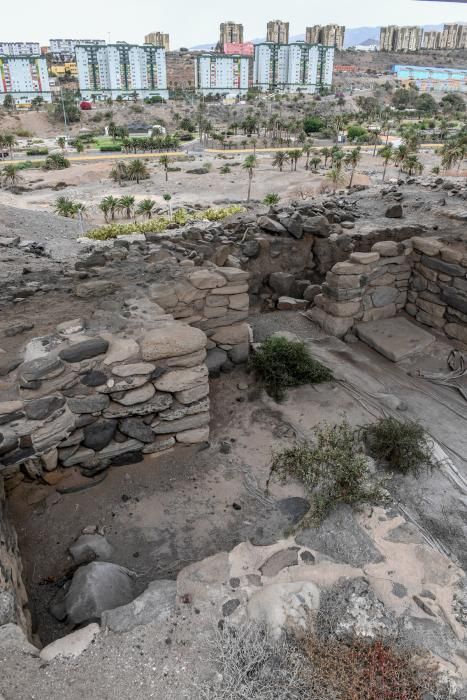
{"x":191,"y":22}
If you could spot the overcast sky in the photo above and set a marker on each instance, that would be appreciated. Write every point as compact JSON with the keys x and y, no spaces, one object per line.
{"x":191,"y":22}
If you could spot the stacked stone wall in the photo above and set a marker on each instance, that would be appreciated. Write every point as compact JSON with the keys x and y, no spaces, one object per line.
{"x":425,"y":277}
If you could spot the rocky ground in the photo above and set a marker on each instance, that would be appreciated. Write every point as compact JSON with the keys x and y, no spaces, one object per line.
{"x":406,"y":560}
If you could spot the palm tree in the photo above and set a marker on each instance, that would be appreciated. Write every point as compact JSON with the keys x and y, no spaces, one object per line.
{"x":146,"y":208}
{"x":137,"y":170}
{"x":165,"y":162}
{"x":315,"y":162}
{"x":413,"y":165}
{"x":280,"y":159}
{"x":326,"y":153}
{"x":307,"y":150}
{"x":10,"y":175}
{"x":64,"y":207}
{"x":108,"y":206}
{"x":9,"y":142}
{"x":337,"y":158}
{"x":80,"y":209}
{"x":294,"y":155}
{"x":79,"y":145}
{"x":119,"y":172}
{"x":249,"y":164}
{"x":386,"y":153}
{"x":167,"y":197}
{"x":61,"y":141}
{"x":353,"y":158}
{"x":335,"y":178}
{"x":127,"y":205}
{"x":400,"y":154}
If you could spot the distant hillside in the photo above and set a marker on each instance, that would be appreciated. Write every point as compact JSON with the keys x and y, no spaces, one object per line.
{"x":353,"y":36}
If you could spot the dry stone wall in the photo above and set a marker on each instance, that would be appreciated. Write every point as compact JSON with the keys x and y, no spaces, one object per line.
{"x":425,"y":277}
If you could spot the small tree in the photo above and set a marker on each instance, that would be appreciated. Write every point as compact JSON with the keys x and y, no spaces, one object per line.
{"x":168,"y":197}
{"x":109,"y":207}
{"x":146,"y":208}
{"x":137,"y":170}
{"x":386,"y":153}
{"x":249,"y":164}
{"x":279,"y":160}
{"x":11,"y":175}
{"x":165,"y":162}
{"x":353,"y":158}
{"x":126,"y":204}
{"x":8,"y":102}
{"x":119,"y":172}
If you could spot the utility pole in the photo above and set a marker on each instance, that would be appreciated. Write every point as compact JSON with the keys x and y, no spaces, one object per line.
{"x":64,"y":116}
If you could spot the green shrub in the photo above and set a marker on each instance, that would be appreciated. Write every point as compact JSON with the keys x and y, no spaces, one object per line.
{"x":333,"y":469}
{"x":271,"y":198}
{"x":280,"y":363}
{"x":56,"y":161}
{"x":37,"y":151}
{"x":312,"y":124}
{"x":110,"y":147}
{"x":158,"y":224}
{"x":402,"y":444}
{"x":356,"y":133}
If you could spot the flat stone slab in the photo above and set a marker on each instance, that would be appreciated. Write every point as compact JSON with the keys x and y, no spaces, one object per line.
{"x":396,"y":338}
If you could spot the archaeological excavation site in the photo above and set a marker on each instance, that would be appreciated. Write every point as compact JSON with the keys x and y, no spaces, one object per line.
{"x":233,"y":452}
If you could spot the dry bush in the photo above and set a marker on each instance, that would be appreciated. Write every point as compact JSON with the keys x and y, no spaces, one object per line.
{"x":253,"y":666}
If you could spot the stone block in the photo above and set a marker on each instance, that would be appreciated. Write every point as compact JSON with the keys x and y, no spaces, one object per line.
{"x":171,"y":340}
{"x":386,"y":249}
{"x":446,"y":268}
{"x":331,"y":324}
{"x":206,"y":279}
{"x":364,"y":258}
{"x":430,"y":308}
{"x":230,"y":289}
{"x":239,"y":302}
{"x":221,"y":300}
{"x":197,"y":420}
{"x":349,"y":268}
{"x":385,"y":280}
{"x":457,"y":331}
{"x":338,"y":308}
{"x":197,"y":393}
{"x":451,"y":255}
{"x":193,"y":437}
{"x":395,"y":338}
{"x":345,"y":281}
{"x":429,"y":320}
{"x":290,"y":304}
{"x":380,"y":313}
{"x":182,"y":379}
{"x":427,"y":246}
{"x":382,"y":296}
{"x":455,"y":298}
{"x":232,"y":335}
{"x":281,"y":283}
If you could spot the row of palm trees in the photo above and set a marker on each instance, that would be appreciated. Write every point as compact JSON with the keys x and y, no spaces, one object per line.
{"x":136,"y":170}
{"x":150,"y":143}
{"x":454,"y":152}
{"x":111,"y":207}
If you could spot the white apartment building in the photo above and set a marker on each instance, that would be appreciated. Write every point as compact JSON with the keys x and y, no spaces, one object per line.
{"x":217,"y":74}
{"x":19,"y":48}
{"x":24,"y":77}
{"x":66,"y":47}
{"x":121,"y":70}
{"x":298,"y":67}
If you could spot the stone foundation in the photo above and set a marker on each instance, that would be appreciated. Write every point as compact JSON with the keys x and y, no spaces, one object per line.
{"x":425,"y":277}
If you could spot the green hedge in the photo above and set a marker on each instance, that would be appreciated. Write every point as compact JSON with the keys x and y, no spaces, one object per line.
{"x":37,"y":152}
{"x":110,"y":147}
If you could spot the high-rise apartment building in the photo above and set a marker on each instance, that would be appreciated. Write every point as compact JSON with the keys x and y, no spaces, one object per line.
{"x":296,"y":67}
{"x":121,"y":70}
{"x":431,"y":40}
{"x":24,"y":77}
{"x":159,"y":39}
{"x":328,"y":35}
{"x":394,"y":38}
{"x":65,"y":48}
{"x":218,"y":74}
{"x":230,"y":33}
{"x":453,"y":36}
{"x":277,"y":32}
{"x":19,"y":48}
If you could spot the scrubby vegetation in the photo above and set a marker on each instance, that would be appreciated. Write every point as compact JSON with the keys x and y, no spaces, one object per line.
{"x":56,"y":161}
{"x":333,"y":469}
{"x":160,"y":223}
{"x":253,"y":665}
{"x":403,"y":445}
{"x":280,"y":363}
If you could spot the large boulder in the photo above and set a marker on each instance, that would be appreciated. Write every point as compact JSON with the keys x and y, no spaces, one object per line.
{"x":281,"y":283}
{"x":97,"y":587}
